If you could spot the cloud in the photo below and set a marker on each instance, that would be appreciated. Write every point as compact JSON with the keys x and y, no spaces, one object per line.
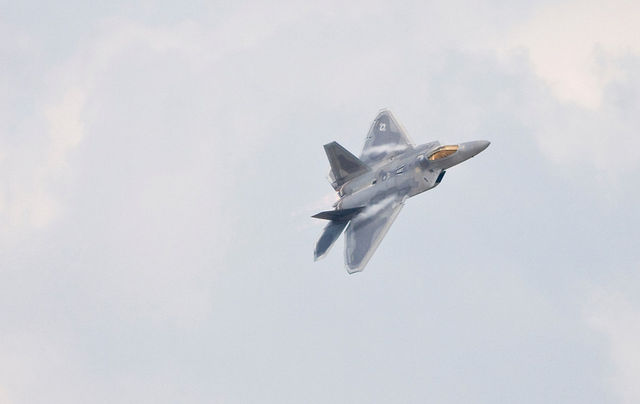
{"x":603,"y":141}
{"x":614,"y":314}
{"x":31,"y":169}
{"x":587,"y":55}
{"x":34,"y":158}
{"x":574,"y":46}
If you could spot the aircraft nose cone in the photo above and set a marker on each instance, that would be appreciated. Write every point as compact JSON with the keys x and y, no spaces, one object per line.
{"x":477,"y":146}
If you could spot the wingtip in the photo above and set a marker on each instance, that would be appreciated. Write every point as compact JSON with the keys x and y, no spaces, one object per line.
{"x":354,"y":269}
{"x":318,"y":257}
{"x":384,"y":111}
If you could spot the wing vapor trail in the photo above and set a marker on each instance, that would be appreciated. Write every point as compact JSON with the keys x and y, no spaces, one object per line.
{"x":385,"y":148}
{"x":376,"y":208}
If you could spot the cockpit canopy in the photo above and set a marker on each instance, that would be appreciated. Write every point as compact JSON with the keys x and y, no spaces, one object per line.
{"x":442,"y":152}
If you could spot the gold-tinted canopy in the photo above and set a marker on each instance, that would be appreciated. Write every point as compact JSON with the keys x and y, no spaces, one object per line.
{"x":442,"y":152}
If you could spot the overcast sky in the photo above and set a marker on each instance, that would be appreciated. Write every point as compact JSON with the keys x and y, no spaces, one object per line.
{"x":159,"y":162}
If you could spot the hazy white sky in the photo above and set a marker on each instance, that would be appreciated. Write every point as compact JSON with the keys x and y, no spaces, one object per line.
{"x":159,"y":162}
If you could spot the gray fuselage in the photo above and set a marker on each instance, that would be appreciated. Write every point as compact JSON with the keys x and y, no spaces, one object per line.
{"x":408,"y":173}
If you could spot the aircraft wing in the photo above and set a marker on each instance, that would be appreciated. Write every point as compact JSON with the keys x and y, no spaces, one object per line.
{"x":386,"y":138}
{"x":366,"y":231}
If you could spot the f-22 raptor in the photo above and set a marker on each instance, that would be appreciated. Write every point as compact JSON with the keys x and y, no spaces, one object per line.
{"x":373,"y":188}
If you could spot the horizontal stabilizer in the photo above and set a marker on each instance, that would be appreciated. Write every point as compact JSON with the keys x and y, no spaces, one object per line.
{"x":339,"y":215}
{"x":344,"y":165}
{"x":330,"y":234}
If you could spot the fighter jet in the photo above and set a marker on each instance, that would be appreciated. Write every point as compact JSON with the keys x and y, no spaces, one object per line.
{"x":373,"y":188}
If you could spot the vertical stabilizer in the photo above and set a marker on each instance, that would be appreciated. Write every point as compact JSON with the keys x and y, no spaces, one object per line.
{"x":344,"y":165}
